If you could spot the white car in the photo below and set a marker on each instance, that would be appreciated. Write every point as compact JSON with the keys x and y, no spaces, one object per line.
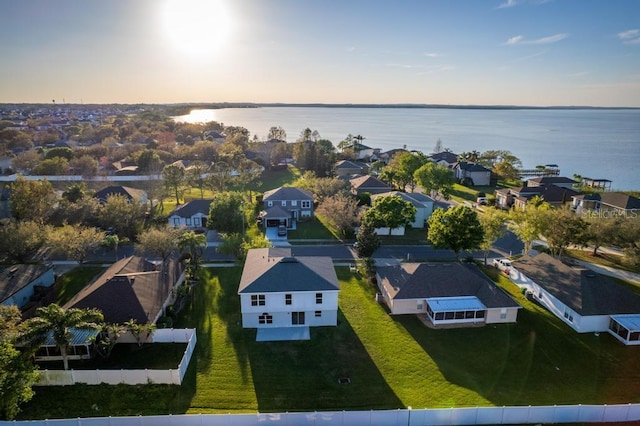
{"x":502,"y":264}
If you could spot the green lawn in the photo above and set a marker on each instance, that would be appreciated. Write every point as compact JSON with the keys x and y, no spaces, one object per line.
{"x":392,"y":362}
{"x":462,"y":193}
{"x":313,"y":229}
{"x":605,"y":259}
{"x":73,"y":281}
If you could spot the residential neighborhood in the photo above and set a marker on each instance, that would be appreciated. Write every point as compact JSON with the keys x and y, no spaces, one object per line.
{"x":308,"y":270}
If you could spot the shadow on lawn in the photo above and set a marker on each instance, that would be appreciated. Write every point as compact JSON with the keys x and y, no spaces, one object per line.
{"x":305,"y":375}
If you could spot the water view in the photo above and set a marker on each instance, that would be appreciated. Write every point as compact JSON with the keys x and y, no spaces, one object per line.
{"x":598,"y":143}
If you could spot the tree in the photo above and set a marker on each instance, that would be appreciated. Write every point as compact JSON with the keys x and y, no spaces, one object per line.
{"x":506,"y":171}
{"x":277,"y":133}
{"x":404,"y":166}
{"x":248,"y":174}
{"x":434,"y":178}
{"x":602,"y":230}
{"x":457,"y":229}
{"x":226,"y":213}
{"x":111,"y":241}
{"x":31,"y":200}
{"x":367,"y":239}
{"x":62,"y":323}
{"x":126,"y":217}
{"x":60,"y":151}
{"x":563,"y":229}
{"x":493,"y":226}
{"x":175,"y":179}
{"x":17,"y":372}
{"x":18,"y":240}
{"x":27,"y":161}
{"x":390,"y":212}
{"x":158,"y":242}
{"x":529,"y":224}
{"x":141,"y":332}
{"x":148,"y":161}
{"x":75,"y":192}
{"x":194,"y":244}
{"x":76,"y":242}
{"x":55,"y":166}
{"x":197,"y":177}
{"x":107,"y":339}
{"x":342,"y":211}
{"x":220,"y":176}
{"x":84,"y":165}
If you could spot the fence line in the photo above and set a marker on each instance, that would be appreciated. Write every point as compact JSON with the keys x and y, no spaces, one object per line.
{"x":130,"y":377}
{"x":400,"y":417}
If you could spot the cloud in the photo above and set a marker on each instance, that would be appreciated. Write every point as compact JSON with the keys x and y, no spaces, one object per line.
{"x":544,"y":40}
{"x":508,"y":3}
{"x":511,"y":3}
{"x":630,"y":36}
{"x":432,"y":55}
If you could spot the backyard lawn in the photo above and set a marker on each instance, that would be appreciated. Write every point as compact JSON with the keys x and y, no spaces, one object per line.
{"x":72,"y":282}
{"x":391,"y":362}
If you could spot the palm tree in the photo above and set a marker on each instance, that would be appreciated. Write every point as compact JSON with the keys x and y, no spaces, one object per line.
{"x":194,"y":244}
{"x":61,"y":322}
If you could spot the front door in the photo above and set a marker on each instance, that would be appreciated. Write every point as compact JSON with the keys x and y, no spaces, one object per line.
{"x":297,"y":318}
{"x":204,"y":222}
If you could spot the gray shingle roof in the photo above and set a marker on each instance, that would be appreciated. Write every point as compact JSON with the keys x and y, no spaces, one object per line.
{"x":582,"y":290}
{"x":470,"y":167}
{"x":417,"y":199}
{"x":125,"y":191}
{"x":271,"y":270}
{"x":14,"y":277}
{"x":287,"y":193}
{"x":192,"y":207}
{"x":367,"y":182}
{"x":421,"y":281}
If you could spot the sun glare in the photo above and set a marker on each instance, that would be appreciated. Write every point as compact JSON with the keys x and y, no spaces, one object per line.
{"x":199,"y":28}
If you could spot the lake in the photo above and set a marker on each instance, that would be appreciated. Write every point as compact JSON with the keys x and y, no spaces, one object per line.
{"x":598,"y":143}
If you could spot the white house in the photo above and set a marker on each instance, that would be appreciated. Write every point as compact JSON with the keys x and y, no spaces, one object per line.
{"x":445,"y":294}
{"x":19,"y":283}
{"x":282,"y":295}
{"x":478,"y":174}
{"x":584,"y":300}
{"x":191,"y":215}
{"x":422,"y":203}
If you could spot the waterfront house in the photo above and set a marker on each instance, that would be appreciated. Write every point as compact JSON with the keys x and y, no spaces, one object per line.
{"x":422,"y":203}
{"x":132,"y":288}
{"x":369,"y":184}
{"x":19,"y":284}
{"x":192,"y":215}
{"x":585,"y":301}
{"x":445,"y":294}
{"x":285,"y":206}
{"x":560,"y":181}
{"x":519,"y":197}
{"x":444,"y":158}
{"x":607,"y":203}
{"x":282,"y":295}
{"x":386,"y":156}
{"x":477,"y":174}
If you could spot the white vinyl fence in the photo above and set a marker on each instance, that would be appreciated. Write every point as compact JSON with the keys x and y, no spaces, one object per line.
{"x":130,"y":377}
{"x":445,"y":416}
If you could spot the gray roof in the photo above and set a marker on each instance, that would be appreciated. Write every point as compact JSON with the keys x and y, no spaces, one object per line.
{"x":449,"y":157}
{"x":15,"y":277}
{"x":417,"y":199}
{"x":470,"y":167}
{"x":131,"y":288}
{"x":125,"y":191}
{"x":616,"y":199}
{"x":550,"y":180}
{"x":347,"y":164}
{"x":581,"y":289}
{"x":367,"y":182}
{"x":422,"y":280}
{"x":275,"y":212}
{"x":287,"y":193}
{"x":192,"y":207}
{"x":270,"y":270}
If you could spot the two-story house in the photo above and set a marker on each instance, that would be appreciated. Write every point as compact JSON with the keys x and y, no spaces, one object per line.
{"x":283,"y":295}
{"x":285,"y":206}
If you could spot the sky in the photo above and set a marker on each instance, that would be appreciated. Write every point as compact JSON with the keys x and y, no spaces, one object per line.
{"x":458,"y":52}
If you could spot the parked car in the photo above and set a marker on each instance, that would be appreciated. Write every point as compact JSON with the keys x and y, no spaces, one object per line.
{"x":482,"y":201}
{"x":502,"y":264}
{"x":282,"y":231}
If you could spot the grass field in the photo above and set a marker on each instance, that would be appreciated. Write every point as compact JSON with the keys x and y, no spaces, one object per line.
{"x":72,"y":282}
{"x":605,"y":259}
{"x":392,"y":362}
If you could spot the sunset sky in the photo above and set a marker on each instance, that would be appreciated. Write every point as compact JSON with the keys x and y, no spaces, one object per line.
{"x":481,"y":52}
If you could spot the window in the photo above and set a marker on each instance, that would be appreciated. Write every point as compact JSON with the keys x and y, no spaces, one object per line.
{"x":269,"y":203}
{"x":568,"y":315}
{"x":265,"y":318}
{"x":306,"y":204}
{"x":294,"y":202}
{"x":196,"y":221}
{"x":318,"y":298}
{"x":287,"y":299}
{"x":318,"y":314}
{"x":297,"y":318}
{"x":283,"y":203}
{"x":176,"y":221}
{"x":419,"y":306}
{"x":188,"y":221}
{"x":257,"y":300}
{"x":503,"y":313}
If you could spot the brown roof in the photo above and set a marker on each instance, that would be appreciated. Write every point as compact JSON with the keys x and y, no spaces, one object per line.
{"x":367,"y":182}
{"x":581,"y":289}
{"x":421,"y":281}
{"x":131,"y":288}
